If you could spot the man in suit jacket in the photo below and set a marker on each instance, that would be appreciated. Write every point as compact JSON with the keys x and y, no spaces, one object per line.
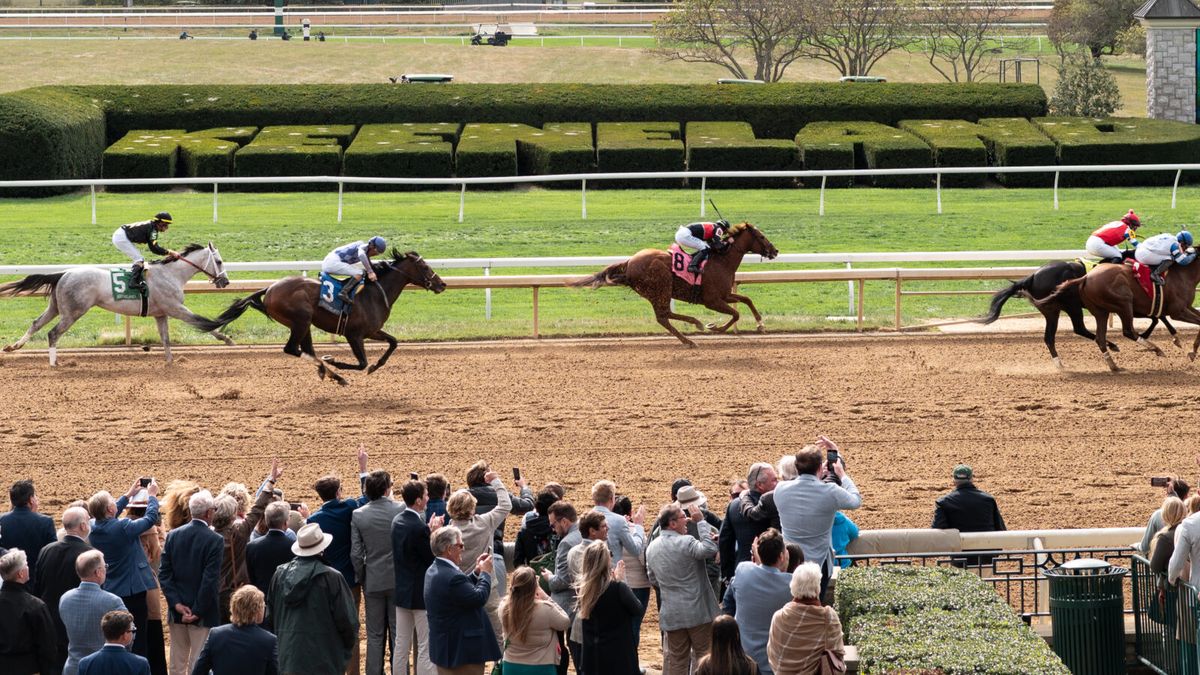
{"x":461,"y":638}
{"x":412,"y":556}
{"x":737,"y":530}
{"x":120,"y":539}
{"x":675,"y":563}
{"x":115,"y":658}
{"x":25,"y":528}
{"x":242,"y":647}
{"x":84,"y":607}
{"x":334,"y":517}
{"x":565,"y":521}
{"x":28,"y":643}
{"x":265,"y":554}
{"x":371,"y":555}
{"x":190,"y":574}
{"x":56,"y":569}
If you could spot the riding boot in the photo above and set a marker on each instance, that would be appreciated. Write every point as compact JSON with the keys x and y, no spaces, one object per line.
{"x":347,"y":289}
{"x":698,"y":259}
{"x":1156,"y":275}
{"x":1116,"y":261}
{"x":137,"y":276}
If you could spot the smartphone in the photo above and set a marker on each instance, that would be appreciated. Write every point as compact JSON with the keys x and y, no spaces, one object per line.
{"x":832,"y":456}
{"x":295,"y":505}
{"x":1160,"y":481}
{"x":145,"y":481}
{"x":516,"y":473}
{"x":413,"y":475}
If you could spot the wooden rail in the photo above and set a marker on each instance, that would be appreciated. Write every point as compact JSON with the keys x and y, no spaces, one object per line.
{"x":536,"y":282}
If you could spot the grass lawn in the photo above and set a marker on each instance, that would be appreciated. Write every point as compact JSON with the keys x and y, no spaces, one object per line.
{"x":302,"y":226}
{"x":37,"y":62}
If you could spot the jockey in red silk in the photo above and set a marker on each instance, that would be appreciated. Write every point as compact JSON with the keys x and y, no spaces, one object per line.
{"x":703,"y":237}
{"x":1104,"y":241}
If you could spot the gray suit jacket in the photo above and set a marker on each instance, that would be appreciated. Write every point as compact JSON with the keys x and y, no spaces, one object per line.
{"x":81,"y":609}
{"x":371,"y":544}
{"x":675,"y":563}
{"x":561,"y":590}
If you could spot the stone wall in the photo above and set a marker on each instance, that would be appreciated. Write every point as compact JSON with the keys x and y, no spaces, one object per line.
{"x":1171,"y":73}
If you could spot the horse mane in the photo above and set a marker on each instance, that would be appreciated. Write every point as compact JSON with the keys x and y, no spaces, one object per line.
{"x":190,"y":248}
{"x":737,"y":229}
{"x":397,"y":257}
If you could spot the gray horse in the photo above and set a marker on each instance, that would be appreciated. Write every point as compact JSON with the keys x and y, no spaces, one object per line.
{"x":74,"y":292}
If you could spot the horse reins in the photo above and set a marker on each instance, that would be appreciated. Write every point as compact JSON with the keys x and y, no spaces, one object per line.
{"x":212,"y":277}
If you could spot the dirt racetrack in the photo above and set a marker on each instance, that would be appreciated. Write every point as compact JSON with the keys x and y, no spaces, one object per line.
{"x":1071,"y":449}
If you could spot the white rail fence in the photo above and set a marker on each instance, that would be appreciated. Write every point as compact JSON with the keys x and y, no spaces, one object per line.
{"x":583,"y":178}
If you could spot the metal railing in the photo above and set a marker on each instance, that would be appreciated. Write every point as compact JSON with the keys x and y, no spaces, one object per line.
{"x":1165,"y":622}
{"x":1016,"y":575}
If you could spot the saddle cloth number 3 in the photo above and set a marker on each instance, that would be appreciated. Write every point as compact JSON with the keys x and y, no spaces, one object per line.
{"x":327,"y":291}
{"x":678,"y":261}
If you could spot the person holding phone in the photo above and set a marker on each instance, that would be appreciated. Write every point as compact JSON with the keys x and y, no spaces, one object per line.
{"x":477,"y":536}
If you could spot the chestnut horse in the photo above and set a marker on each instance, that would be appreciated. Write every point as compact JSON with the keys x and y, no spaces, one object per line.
{"x":293,"y":302}
{"x":649,"y":274}
{"x":1112,"y":289}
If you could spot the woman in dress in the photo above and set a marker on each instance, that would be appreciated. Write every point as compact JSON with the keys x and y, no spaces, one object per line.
{"x":608,"y":610}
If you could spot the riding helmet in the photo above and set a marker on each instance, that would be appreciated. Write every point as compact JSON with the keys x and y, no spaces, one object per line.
{"x":163,"y":216}
{"x":1184,"y":238}
{"x":378,"y":243}
{"x":1132,"y":220}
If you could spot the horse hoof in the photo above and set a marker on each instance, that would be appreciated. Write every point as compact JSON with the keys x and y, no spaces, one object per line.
{"x":1114,"y":347}
{"x":760,"y":329}
{"x":1191,"y":356}
{"x":327,"y":358}
{"x":1058,"y":363}
{"x":10,"y":348}
{"x":689,"y":344}
{"x":321,"y":373}
{"x":1177,"y":343}
{"x":340,"y":380}
{"x":710,"y":326}
{"x":372,"y":369}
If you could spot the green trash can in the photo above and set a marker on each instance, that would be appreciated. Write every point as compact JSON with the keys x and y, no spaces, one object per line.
{"x":1087,"y":605}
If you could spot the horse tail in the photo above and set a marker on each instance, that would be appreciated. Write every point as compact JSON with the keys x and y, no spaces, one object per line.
{"x":1002,"y":297}
{"x":31,"y":284}
{"x":613,"y":275}
{"x":1059,"y":290}
{"x":239,"y":307}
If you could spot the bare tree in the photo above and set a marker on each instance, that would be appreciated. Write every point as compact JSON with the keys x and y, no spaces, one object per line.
{"x":955,"y":34}
{"x":723,"y":31}
{"x":853,"y":35}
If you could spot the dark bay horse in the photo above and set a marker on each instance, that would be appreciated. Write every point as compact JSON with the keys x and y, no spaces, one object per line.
{"x":1112,"y":289}
{"x":293,"y":302}
{"x":1042,"y":283}
{"x":649,"y":274}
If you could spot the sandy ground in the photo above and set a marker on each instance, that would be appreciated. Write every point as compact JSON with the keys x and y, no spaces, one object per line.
{"x":1058,"y":449}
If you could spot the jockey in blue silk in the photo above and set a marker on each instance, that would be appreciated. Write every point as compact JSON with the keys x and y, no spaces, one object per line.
{"x":353,"y":260}
{"x":1163,"y":250}
{"x":704,"y":238}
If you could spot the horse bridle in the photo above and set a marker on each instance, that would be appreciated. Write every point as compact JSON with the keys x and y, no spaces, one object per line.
{"x":211,"y":257}
{"x":427,"y":280}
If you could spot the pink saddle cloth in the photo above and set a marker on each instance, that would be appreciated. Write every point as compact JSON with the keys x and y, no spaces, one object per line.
{"x":680,"y":259}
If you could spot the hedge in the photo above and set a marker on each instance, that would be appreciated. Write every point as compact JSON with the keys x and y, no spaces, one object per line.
{"x":519,"y":149}
{"x":1015,"y":141}
{"x":639,"y":146}
{"x":1120,"y":140}
{"x":732,"y":146}
{"x":49,"y":133}
{"x":408,"y":149}
{"x":954,"y":143}
{"x":863,"y":145}
{"x":293,"y":150}
{"x":168,"y":153}
{"x":936,"y":619}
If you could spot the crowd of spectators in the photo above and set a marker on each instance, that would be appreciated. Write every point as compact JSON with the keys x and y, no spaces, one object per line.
{"x":253,"y":583}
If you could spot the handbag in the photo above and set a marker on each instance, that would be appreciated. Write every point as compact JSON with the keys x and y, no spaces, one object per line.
{"x":831,"y":662}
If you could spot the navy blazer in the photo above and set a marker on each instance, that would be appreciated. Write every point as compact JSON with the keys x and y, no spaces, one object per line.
{"x":411,"y":557}
{"x":114,"y":660}
{"x":56,"y":572}
{"x":264,"y":555}
{"x":29,"y":531}
{"x":334,"y":518}
{"x":119,"y":539}
{"x":459,"y":630}
{"x":238,"y":650}
{"x":190,"y":571}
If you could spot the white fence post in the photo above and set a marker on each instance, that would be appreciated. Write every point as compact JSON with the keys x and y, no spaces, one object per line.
{"x":487,"y":296}
{"x":703,"y":193}
{"x":93,"y":204}
{"x":462,"y":202}
{"x":214,"y":202}
{"x":939,"y":192}
{"x":1175,"y":189}
{"x":340,"y":201}
{"x":1055,"y":190}
{"x":584,"y":198}
{"x":821,"y":210}
{"x":850,"y":283}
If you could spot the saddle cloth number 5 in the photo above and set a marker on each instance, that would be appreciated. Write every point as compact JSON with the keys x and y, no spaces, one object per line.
{"x":678,"y":262}
{"x":327,"y":291}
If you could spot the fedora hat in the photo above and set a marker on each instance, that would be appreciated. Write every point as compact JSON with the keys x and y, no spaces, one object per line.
{"x":689,"y":496}
{"x":310,"y":541}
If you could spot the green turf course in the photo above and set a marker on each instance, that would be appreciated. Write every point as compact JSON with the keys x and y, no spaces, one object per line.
{"x":533,"y":223}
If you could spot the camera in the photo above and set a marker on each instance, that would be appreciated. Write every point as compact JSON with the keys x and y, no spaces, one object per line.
{"x":294,"y":505}
{"x":516,"y":473}
{"x":145,"y":481}
{"x":413,"y":475}
{"x":1160,"y":481}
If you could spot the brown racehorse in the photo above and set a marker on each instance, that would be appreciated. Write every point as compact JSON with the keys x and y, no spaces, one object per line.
{"x":293,"y":303}
{"x":649,"y":274}
{"x":1112,"y":289}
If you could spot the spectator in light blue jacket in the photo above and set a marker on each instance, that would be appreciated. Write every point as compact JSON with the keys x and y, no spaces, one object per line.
{"x":844,"y":532}
{"x":759,"y":589}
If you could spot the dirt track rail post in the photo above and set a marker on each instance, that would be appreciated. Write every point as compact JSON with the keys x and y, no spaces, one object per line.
{"x":860,"y":304}
{"x":898,"y":294}
{"x":536,"y":332}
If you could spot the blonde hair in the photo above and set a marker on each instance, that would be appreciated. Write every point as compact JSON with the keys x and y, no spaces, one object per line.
{"x":516,"y":610}
{"x":227,"y":507}
{"x":1192,"y":503}
{"x":246,"y":605}
{"x":1173,"y":512}
{"x":461,"y":505}
{"x":604,"y":492}
{"x":240,"y":493}
{"x":175,"y":512}
{"x":594,"y":577}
